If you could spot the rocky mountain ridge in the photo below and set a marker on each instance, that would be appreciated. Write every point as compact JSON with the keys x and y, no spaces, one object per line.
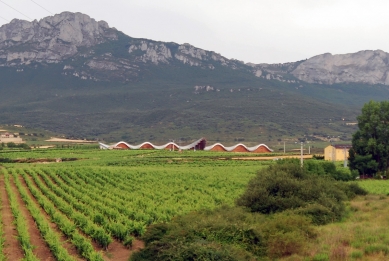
{"x":91,"y":50}
{"x":72,"y":38}
{"x":72,"y":74}
{"x":371,"y":67}
{"x":51,"y":39}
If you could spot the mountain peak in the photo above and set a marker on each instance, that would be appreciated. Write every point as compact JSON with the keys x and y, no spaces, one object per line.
{"x":52,"y":38}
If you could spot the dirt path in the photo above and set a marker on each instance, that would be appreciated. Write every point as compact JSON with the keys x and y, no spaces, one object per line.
{"x":12,"y":248}
{"x":67,"y":140}
{"x":64,"y":240}
{"x":41,"y":250}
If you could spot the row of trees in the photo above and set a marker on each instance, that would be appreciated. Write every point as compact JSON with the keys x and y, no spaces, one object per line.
{"x":13,"y":145}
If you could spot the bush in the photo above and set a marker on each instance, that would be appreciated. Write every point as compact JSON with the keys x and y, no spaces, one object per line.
{"x":326,"y":168}
{"x":224,"y":234}
{"x":352,"y":189}
{"x":319,"y":213}
{"x":287,"y":234}
{"x":227,"y":233}
{"x":287,"y":186}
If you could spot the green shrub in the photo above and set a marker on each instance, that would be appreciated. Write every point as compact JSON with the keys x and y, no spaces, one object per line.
{"x":287,"y":186}
{"x":287,"y":234}
{"x":353,"y":189}
{"x":224,"y":234}
{"x":227,"y":234}
{"x":319,"y":213}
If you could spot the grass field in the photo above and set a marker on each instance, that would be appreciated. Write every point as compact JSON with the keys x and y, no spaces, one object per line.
{"x":95,"y":204}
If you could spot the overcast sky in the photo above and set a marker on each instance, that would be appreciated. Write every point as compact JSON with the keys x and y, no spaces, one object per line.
{"x":258,"y":31}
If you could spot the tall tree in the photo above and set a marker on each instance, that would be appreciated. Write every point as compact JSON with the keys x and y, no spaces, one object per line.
{"x":370,"y":144}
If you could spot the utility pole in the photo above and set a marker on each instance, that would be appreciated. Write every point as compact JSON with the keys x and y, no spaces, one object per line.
{"x":345,"y":158}
{"x":302,"y":161}
{"x":284,"y":147}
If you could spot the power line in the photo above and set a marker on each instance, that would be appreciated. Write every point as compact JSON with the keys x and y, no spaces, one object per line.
{"x":4,"y":19}
{"x":41,"y":6}
{"x":16,"y":10}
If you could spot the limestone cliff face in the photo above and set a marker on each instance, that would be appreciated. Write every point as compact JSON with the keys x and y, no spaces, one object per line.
{"x":75,"y":39}
{"x":369,"y":67}
{"x":51,"y":39}
{"x":158,"y":52}
{"x":91,"y":50}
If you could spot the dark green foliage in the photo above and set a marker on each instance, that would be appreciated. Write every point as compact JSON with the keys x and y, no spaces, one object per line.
{"x":370,"y":151}
{"x":351,"y":189}
{"x":226,"y":234}
{"x":364,"y":164}
{"x":12,"y":145}
{"x":289,"y":187}
{"x":327,"y":168}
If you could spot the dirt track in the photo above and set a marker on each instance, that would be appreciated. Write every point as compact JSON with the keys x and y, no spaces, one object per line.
{"x":75,"y":141}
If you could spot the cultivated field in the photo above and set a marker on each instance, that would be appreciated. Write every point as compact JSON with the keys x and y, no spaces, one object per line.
{"x":96,"y":205}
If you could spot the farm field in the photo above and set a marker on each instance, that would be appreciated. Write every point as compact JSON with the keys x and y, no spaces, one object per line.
{"x":94,"y":205}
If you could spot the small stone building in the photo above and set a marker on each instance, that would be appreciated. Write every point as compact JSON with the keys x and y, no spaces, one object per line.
{"x":8,"y":137}
{"x":337,"y":152}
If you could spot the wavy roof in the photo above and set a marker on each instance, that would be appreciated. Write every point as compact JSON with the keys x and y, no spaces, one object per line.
{"x":198,"y":145}
{"x":238,"y":147}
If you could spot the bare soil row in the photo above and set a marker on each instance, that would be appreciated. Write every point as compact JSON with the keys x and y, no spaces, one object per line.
{"x":12,"y":248}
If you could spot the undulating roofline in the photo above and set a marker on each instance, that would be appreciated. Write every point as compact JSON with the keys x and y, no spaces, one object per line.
{"x":239,"y":148}
{"x":197,"y":145}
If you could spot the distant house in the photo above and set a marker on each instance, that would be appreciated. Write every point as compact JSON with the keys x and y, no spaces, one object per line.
{"x":337,"y":152}
{"x":8,"y":137}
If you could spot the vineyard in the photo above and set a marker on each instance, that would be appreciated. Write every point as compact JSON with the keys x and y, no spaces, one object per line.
{"x":97,"y":206}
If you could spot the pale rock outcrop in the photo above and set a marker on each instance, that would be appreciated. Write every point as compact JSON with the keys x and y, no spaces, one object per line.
{"x":157,"y":52}
{"x":192,"y":51}
{"x":369,"y":67}
{"x":53,"y":38}
{"x":102,"y":65}
{"x":153,"y":52}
